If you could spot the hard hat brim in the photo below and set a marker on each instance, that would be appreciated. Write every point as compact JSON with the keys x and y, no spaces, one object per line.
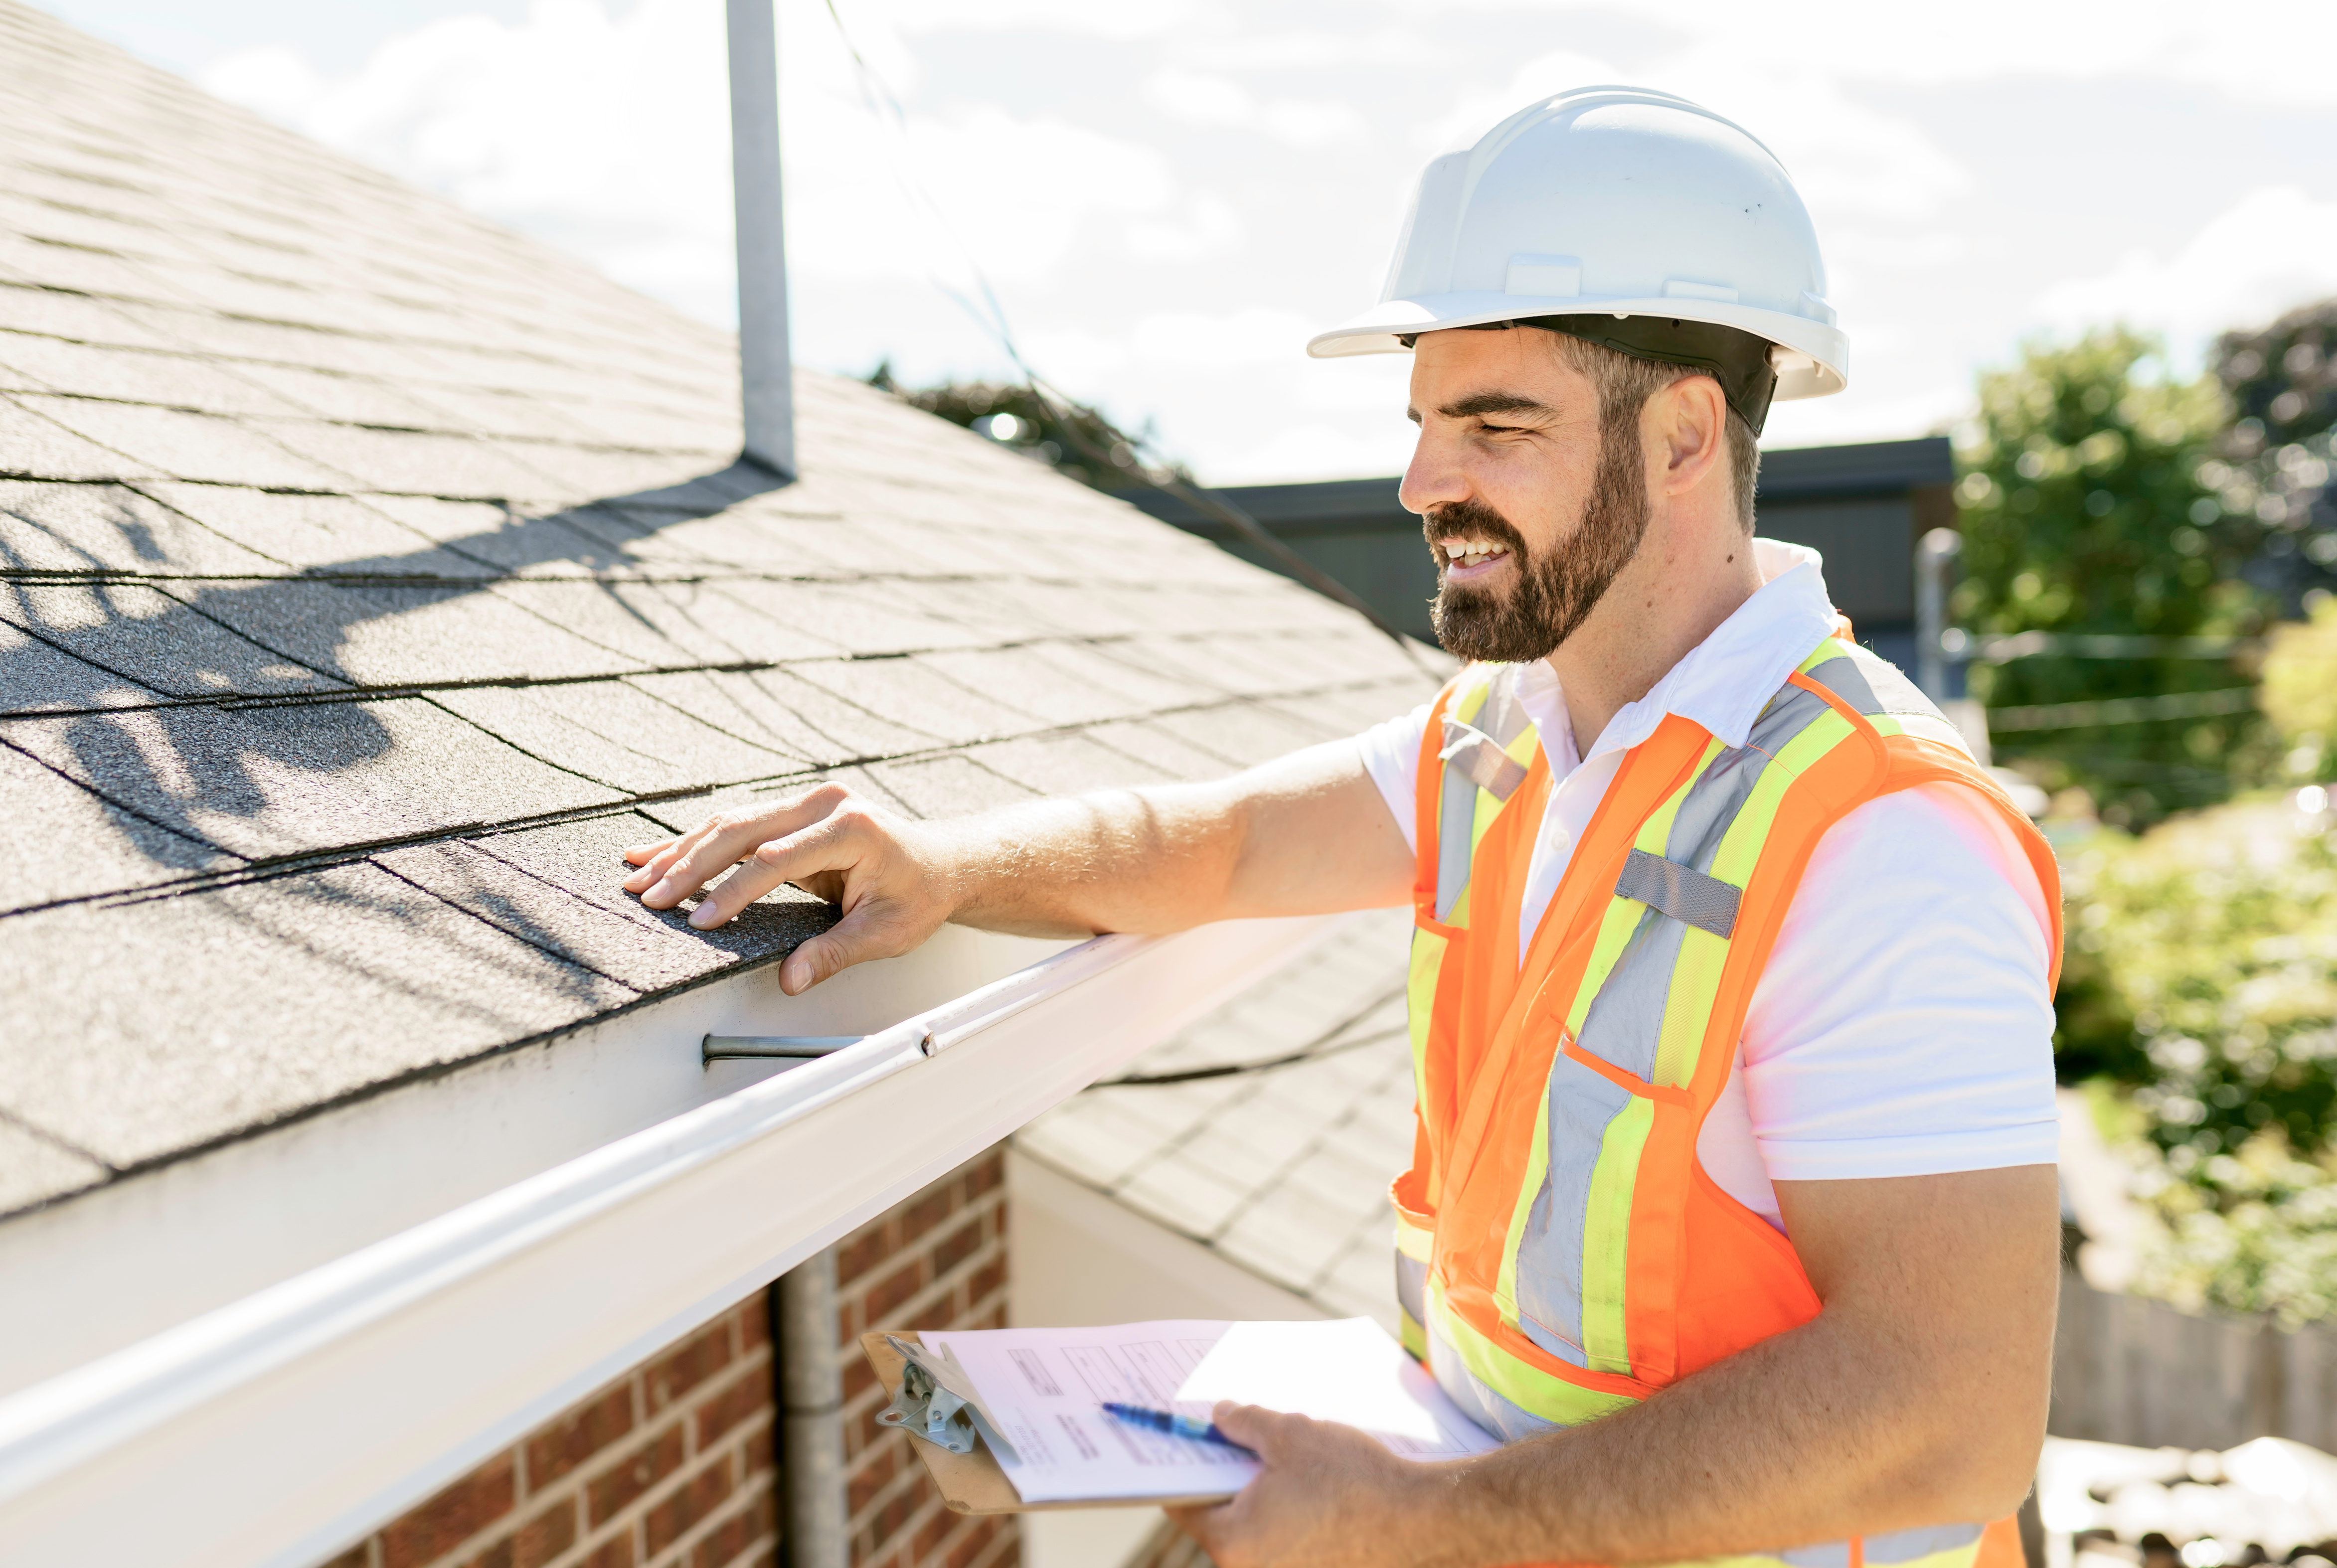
{"x":1814,"y":361}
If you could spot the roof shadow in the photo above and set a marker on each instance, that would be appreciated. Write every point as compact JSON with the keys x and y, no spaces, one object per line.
{"x":205,"y":705}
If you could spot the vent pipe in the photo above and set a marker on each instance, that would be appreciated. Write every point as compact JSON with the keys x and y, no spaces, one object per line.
{"x":767,"y":387}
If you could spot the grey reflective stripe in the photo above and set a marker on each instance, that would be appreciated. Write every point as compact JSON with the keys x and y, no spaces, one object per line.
{"x":1549,"y":1247}
{"x":1412,"y":1286}
{"x":1478,"y":1400}
{"x":1832,"y":1554}
{"x":1503,"y":720}
{"x":1873,"y":685}
{"x":1455,"y":838}
{"x":1909,"y":1545}
{"x":1625,"y":1019}
{"x":1682,"y":892}
{"x":1482,"y":760}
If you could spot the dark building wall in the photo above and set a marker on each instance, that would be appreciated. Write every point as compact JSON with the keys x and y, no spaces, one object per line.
{"x":1861,"y":506}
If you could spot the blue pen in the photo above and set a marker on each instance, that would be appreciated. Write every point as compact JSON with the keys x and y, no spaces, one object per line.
{"x":1175,"y":1425}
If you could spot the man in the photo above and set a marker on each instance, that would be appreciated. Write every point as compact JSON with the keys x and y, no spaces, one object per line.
{"x":1732,"y":1207}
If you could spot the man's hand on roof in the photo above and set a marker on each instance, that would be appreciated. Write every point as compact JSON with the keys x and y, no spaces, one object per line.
{"x":1306,"y":834}
{"x":826,"y":842}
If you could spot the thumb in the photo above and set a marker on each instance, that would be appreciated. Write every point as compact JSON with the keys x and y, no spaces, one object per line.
{"x":868,"y":931}
{"x":1246,"y":1424}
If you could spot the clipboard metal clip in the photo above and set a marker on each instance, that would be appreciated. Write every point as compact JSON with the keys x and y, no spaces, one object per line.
{"x":923,"y":1409}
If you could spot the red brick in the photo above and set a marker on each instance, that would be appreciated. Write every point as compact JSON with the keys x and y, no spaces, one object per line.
{"x":855,"y":1255}
{"x":757,"y":1452}
{"x":988,"y":1280}
{"x":355,"y":1557}
{"x":643,"y":1468}
{"x":970,"y":1543}
{"x":735,"y":1536}
{"x":928,"y":1209}
{"x":540,"y":1540}
{"x":617,"y":1551}
{"x":695,"y":1499}
{"x":957,"y":1246}
{"x":870,"y":1479}
{"x":687,"y":1365}
{"x":894,"y":1291}
{"x":860,"y":1377}
{"x":932,"y":1534}
{"x":755,"y":1323}
{"x":553,"y":1451}
{"x":985,"y":1175}
{"x":452,"y":1517}
{"x":748,"y":1394}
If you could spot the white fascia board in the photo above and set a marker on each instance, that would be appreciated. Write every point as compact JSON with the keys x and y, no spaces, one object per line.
{"x":108,"y":1268}
{"x":275,"y":1429}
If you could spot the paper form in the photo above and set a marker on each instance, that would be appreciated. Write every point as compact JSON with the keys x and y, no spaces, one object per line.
{"x":1043,"y":1391}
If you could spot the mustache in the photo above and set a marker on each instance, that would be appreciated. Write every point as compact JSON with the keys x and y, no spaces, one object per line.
{"x":1472,"y":519}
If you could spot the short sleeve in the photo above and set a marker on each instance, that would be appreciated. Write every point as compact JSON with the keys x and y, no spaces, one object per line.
{"x":1903,"y":1024}
{"x":1391,"y":753}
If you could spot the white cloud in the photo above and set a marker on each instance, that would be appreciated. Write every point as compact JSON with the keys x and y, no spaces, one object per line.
{"x":2273,"y":250}
{"x":1199,"y":98}
{"x":1256,"y":336}
{"x":1314,"y":123}
{"x":1316,"y":451}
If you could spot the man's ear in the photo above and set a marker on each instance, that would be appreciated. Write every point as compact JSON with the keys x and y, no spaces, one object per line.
{"x":1690,"y":427}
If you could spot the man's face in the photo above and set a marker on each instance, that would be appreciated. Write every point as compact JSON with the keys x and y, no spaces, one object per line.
{"x":1530,"y":514}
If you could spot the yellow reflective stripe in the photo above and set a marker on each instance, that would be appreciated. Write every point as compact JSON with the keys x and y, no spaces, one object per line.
{"x":1489,"y":806}
{"x":1412,"y":1240}
{"x":1536,"y":1393}
{"x":1420,"y":994}
{"x":1505,"y":1284}
{"x":1414,"y":1337}
{"x":1687,"y":1006}
{"x":1740,"y":847}
{"x":1832,"y":649}
{"x":1607,"y":1237}
{"x":1622,"y":916}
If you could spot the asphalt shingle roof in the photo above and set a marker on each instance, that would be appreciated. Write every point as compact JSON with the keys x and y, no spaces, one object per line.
{"x":369,"y":575}
{"x":1284,"y":1172}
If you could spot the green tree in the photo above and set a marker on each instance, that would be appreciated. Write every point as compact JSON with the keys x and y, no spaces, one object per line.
{"x":2276,"y":456}
{"x":2085,"y":515}
{"x":1078,"y":442}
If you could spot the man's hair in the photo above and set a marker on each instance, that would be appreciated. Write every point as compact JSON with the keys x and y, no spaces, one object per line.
{"x":1625,"y":382}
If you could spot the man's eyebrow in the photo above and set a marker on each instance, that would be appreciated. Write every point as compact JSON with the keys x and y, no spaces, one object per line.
{"x":1486,"y":403}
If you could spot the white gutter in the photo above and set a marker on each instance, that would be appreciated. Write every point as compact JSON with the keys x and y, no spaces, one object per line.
{"x":276,"y":1429}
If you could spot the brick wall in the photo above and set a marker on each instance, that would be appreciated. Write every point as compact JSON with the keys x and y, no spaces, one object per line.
{"x":671,"y":1466}
{"x":937,"y":1262}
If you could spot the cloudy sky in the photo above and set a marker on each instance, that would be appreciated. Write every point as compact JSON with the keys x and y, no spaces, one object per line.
{"x":1168,"y":196}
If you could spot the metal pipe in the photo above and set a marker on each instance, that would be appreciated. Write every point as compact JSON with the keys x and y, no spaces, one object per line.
{"x":793,"y":1047}
{"x":817,"y":1528}
{"x":1933,"y":551}
{"x":767,"y":385}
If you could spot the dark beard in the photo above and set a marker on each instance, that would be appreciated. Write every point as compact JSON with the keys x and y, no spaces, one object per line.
{"x":1551,"y":597}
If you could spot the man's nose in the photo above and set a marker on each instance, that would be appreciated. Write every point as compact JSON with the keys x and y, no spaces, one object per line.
{"x":1433,"y":478}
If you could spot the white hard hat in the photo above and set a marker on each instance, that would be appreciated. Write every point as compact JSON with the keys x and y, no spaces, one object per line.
{"x":1618,"y":203}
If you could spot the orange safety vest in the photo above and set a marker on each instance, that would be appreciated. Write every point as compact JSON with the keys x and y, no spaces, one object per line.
{"x":1561,"y":1251}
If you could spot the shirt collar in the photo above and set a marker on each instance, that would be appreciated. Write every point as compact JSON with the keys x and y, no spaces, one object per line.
{"x":1725,"y":681}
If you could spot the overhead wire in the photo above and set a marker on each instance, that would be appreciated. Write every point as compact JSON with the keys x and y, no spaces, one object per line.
{"x":989,"y":316}
{"x":1332,"y":1041}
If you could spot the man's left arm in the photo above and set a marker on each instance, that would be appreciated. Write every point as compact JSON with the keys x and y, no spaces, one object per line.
{"x":1916,"y":1397}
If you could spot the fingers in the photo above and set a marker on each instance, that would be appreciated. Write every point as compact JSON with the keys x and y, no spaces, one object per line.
{"x":681,"y":866}
{"x":640,"y":853}
{"x":874,"y":928}
{"x":827,"y":844}
{"x":1245,"y":1424}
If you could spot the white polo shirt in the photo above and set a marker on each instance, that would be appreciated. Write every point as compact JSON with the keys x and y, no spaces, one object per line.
{"x":1903,"y":1026}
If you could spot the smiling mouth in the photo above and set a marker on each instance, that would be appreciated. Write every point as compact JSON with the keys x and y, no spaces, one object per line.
{"x":1465,"y":555}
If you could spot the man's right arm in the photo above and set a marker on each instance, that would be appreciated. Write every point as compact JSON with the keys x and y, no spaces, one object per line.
{"x":1306,"y":834}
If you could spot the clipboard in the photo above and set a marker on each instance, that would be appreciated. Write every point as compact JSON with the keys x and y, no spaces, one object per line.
{"x":973,"y":1483}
